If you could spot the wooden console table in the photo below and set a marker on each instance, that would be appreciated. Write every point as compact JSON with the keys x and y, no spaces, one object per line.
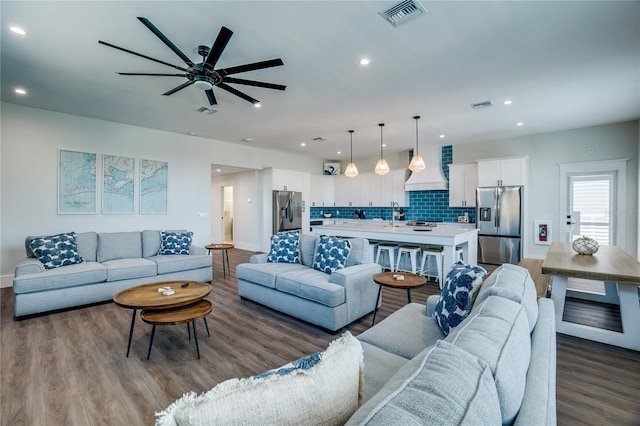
{"x":621,"y":275}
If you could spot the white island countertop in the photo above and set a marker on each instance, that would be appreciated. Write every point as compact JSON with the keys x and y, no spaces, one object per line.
{"x":449,"y":236}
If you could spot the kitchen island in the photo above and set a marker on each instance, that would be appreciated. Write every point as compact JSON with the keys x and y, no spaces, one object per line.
{"x":449,"y":236}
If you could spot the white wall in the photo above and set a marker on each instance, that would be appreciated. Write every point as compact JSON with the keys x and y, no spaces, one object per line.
{"x":30,"y":141}
{"x":545,"y":151}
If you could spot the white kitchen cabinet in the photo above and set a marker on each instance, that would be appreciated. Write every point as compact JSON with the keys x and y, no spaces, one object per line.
{"x":463,"y":180}
{"x":502,"y":171}
{"x":322,"y":191}
{"x":287,"y":180}
{"x":370,"y":190}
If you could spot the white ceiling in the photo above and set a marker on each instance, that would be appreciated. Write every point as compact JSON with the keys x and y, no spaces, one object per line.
{"x":564,"y":64}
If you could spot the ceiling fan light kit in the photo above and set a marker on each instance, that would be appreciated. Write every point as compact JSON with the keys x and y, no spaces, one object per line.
{"x":351,"y":170}
{"x":382,"y":168}
{"x":417,"y":163}
{"x":204,"y":75}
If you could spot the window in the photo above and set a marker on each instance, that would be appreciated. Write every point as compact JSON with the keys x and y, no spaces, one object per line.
{"x":591,"y":201}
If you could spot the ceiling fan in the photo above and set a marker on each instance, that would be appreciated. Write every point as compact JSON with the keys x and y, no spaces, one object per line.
{"x":204,"y":75}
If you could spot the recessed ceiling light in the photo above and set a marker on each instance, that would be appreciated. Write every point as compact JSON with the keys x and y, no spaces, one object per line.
{"x":442,"y":136}
{"x":218,"y":170}
{"x":520,"y":123}
{"x":18,"y":30}
{"x":192,"y":133}
{"x":20,"y":91}
{"x":303,"y":144}
{"x":339,"y":152}
{"x":384,"y":144}
{"x":257,"y":105}
{"x":364,"y":61}
{"x":508,"y":102}
{"x":247,"y":139}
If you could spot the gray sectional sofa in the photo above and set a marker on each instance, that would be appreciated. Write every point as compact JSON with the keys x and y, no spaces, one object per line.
{"x":496,"y":367}
{"x":113,"y":262}
{"x":330,"y":301}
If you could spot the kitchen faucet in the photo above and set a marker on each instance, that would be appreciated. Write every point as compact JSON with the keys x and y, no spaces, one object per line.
{"x":393,"y":213}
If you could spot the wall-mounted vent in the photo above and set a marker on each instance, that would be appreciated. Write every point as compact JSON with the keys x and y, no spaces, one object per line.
{"x":205,"y":110}
{"x":481,"y":105}
{"x":403,"y":11}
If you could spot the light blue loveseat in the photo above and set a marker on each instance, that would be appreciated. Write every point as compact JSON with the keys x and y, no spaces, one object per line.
{"x":113,"y":262}
{"x":330,"y":301}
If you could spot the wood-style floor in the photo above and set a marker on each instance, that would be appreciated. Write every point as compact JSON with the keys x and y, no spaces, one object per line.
{"x":69,"y":368}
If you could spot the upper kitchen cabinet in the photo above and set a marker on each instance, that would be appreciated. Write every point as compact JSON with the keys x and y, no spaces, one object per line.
{"x":370,"y":190}
{"x":322,"y":191}
{"x":463,"y":180}
{"x":502,"y":171}
{"x":287,"y":180}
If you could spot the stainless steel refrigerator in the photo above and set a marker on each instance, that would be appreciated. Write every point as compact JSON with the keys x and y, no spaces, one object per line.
{"x":287,"y":211}
{"x":499,"y":223}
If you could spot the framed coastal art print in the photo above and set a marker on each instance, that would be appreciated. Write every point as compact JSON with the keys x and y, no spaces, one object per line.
{"x":76,"y":182}
{"x":153,"y":186}
{"x":117,"y":184}
{"x":331,"y":168}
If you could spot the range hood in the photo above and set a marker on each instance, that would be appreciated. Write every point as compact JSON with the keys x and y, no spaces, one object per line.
{"x":431,"y":178}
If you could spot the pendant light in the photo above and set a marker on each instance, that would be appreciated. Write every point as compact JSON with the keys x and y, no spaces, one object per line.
{"x":382,"y":168}
{"x":417,"y":163}
{"x":351,"y":170}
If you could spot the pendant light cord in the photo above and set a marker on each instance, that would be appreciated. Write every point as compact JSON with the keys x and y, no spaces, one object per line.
{"x":381,"y":124}
{"x":417,"y":117}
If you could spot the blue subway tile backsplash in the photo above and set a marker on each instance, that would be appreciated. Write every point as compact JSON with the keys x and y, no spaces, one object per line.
{"x":432,"y":206}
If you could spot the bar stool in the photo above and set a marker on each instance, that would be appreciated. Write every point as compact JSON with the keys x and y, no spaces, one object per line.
{"x":390,"y":250}
{"x":427,"y":254}
{"x":412,"y":252}
{"x":373,"y":248}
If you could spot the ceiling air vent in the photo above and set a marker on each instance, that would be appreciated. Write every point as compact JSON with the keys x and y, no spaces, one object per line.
{"x":481,"y":105}
{"x":319,"y":139}
{"x":205,"y":110}
{"x":403,"y":11}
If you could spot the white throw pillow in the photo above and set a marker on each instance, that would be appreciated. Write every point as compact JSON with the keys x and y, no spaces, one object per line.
{"x":324,"y":388}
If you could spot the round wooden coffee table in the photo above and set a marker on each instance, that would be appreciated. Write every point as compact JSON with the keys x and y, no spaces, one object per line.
{"x":388,"y":279}
{"x":225,"y":255}
{"x":188,"y":314}
{"x":147,"y":297}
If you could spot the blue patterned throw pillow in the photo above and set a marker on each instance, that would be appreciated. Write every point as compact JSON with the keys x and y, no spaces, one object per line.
{"x":332,"y":254}
{"x":175,"y":242}
{"x":56,"y":250}
{"x":457,"y":293}
{"x":285,"y":247}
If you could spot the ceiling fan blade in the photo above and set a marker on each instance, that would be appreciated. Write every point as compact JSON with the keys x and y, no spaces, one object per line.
{"x":238,"y":93}
{"x":211,"y":97}
{"x":175,"y":89}
{"x":157,"y":75}
{"x":166,"y":41}
{"x":254,"y":83}
{"x":141,"y":55}
{"x":218,"y":46}
{"x":250,"y":67}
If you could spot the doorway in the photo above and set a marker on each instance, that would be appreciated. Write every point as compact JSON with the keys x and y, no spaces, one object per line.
{"x":227,"y":214}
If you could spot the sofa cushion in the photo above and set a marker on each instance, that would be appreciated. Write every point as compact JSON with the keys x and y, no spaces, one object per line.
{"x":312,"y":285}
{"x":331,"y":254}
{"x":180,"y":262}
{"x":323,"y":389}
{"x":125,"y":269}
{"x":87,"y":245}
{"x":360,"y":252}
{"x":172,"y":243}
{"x":448,"y":386}
{"x":514,"y":283}
{"x":498,"y":333}
{"x":406,"y":332}
{"x":457,"y":293}
{"x":119,"y":245}
{"x":265,"y":273}
{"x":307,"y":246}
{"x":68,"y":276}
{"x":380,"y":366}
{"x":285,"y":247}
{"x":55,"y":251}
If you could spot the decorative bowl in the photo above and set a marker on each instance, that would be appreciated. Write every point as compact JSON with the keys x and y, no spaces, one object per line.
{"x":327,"y":215}
{"x":585,"y":245}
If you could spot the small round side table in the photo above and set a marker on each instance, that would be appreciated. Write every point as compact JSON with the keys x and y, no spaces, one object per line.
{"x":225,"y":255}
{"x":388,"y":279}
